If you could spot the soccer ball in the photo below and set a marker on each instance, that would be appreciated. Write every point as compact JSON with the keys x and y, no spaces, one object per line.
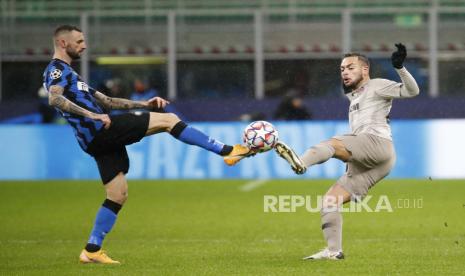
{"x":260,"y":136}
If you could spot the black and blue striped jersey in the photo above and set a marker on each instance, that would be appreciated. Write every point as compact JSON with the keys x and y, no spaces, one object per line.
{"x":77,"y":91}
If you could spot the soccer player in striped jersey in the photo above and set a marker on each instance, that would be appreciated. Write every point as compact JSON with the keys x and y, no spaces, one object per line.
{"x":368,"y":150}
{"x":104,"y":136}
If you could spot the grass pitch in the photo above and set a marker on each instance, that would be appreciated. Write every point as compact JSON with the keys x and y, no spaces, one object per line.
{"x":214,"y":228}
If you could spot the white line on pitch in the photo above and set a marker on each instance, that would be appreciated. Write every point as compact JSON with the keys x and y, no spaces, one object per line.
{"x":252,"y":185}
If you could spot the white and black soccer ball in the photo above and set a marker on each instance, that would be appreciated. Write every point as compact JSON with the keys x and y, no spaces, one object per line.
{"x":260,"y":136}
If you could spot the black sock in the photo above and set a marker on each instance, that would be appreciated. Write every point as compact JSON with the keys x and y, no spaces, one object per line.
{"x":226,"y":150}
{"x":90,"y":247}
{"x":111,"y":205}
{"x":178,"y":128}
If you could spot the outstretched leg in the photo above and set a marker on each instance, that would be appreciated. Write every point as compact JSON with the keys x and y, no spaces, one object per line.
{"x":322,"y":152}
{"x":169,"y":122}
{"x":317,"y":154}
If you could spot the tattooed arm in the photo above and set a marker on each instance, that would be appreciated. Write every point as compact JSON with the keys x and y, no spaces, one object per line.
{"x":119,"y":103}
{"x":56,"y":99}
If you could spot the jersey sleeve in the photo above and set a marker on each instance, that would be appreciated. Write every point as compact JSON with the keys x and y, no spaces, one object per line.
{"x":57,"y":75}
{"x":387,"y":88}
{"x":92,"y":90}
{"x":406,"y":89}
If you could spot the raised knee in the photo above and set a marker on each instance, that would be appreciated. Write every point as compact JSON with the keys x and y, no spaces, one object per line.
{"x":340,"y":150}
{"x":336,"y":144}
{"x":167,"y":121}
{"x":172,"y":118}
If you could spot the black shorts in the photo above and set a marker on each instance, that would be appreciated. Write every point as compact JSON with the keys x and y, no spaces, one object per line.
{"x":109,"y":145}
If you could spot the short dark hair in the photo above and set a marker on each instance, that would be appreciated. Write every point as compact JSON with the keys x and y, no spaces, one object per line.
{"x":361,"y":57}
{"x":65,"y":29}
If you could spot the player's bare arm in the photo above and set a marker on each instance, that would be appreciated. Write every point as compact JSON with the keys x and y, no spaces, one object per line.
{"x":119,"y":103}
{"x":57,"y":100}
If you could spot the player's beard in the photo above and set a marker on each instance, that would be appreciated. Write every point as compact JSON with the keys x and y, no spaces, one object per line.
{"x":352,"y":86}
{"x":74,"y":55}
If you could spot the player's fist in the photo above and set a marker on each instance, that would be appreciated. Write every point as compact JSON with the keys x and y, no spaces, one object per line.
{"x":157,"y":102}
{"x":104,"y":118}
{"x":399,"y":56}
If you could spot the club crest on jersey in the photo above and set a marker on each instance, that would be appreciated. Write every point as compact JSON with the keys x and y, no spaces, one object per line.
{"x":82,"y":86}
{"x":354,"y":107}
{"x":55,"y":74}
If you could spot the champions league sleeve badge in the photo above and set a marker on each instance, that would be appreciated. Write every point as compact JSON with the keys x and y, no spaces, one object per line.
{"x":55,"y":74}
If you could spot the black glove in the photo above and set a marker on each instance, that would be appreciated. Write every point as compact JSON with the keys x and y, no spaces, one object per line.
{"x":399,"y":56}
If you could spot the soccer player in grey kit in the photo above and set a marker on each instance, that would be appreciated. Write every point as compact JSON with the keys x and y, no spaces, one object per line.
{"x":368,"y":150}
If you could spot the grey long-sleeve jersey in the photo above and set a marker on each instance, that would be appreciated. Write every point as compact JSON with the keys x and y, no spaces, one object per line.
{"x":371,"y":103}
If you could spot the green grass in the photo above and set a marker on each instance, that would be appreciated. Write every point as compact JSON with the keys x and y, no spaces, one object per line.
{"x":211,"y":227}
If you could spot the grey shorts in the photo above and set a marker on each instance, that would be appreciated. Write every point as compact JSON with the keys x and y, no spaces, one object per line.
{"x":372,"y":159}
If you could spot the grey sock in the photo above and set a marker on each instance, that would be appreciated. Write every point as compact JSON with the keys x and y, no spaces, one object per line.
{"x":331,"y":224}
{"x":317,"y":154}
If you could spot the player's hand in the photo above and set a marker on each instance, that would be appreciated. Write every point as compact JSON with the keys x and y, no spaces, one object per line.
{"x":399,"y":56}
{"x":104,"y":118}
{"x":157,"y":102}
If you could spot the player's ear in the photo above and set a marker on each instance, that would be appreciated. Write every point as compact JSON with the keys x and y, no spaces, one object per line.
{"x":64,"y":43}
{"x":61,"y":42}
{"x":366,"y":69}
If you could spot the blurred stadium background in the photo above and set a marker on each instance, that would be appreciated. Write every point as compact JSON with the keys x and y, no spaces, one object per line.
{"x":224,"y":63}
{"x":206,"y":51}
